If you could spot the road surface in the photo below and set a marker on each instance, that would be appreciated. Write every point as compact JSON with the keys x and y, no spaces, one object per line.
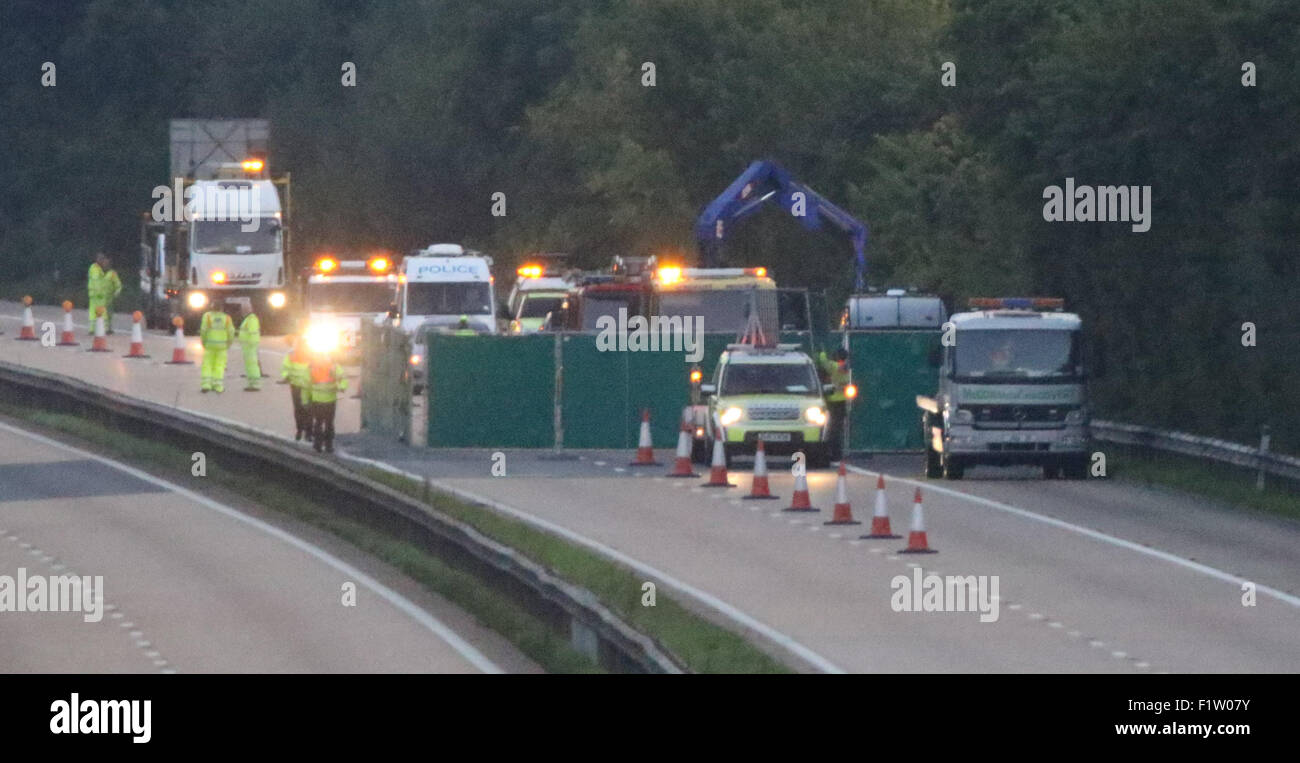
{"x":1095,"y":576}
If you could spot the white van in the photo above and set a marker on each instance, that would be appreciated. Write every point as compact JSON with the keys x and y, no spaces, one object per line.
{"x":440,"y":284}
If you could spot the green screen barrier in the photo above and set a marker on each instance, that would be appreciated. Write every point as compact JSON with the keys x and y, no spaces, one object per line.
{"x":605,"y":392}
{"x":890,"y":368}
{"x":491,"y":391}
{"x":385,"y":382}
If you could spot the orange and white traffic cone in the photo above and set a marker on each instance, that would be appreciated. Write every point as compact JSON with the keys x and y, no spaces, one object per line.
{"x":101,"y":342}
{"x":178,"y":349}
{"x":916,"y":541}
{"x":843,"y":512}
{"x":137,"y":337}
{"x":800,"y":500}
{"x":69,"y":336}
{"x":28,"y":331}
{"x":760,"y":488}
{"x":880,"y":519}
{"x":718,"y":472}
{"x":645,"y":451}
{"x":682,"y":466}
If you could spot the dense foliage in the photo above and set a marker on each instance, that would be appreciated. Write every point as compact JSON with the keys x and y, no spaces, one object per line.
{"x":546,"y":103}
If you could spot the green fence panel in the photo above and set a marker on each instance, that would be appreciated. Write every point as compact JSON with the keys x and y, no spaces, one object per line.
{"x":385,"y":381}
{"x":491,"y":391}
{"x":605,"y":392}
{"x":890,"y":368}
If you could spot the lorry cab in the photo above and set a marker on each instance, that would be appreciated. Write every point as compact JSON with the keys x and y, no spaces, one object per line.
{"x":1011,"y":391}
{"x":601,"y":295}
{"x":722,"y":298}
{"x":769,"y":394}
{"x":236,"y":246}
{"x":340,"y":294}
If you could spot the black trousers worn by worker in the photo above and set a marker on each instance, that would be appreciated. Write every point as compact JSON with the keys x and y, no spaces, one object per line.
{"x":301,"y":416}
{"x":835,"y":411}
{"x":322,"y":425}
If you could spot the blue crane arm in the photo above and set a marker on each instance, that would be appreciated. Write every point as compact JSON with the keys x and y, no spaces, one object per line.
{"x":763,"y":182}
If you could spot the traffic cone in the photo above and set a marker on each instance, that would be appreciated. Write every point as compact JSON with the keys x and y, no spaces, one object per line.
{"x":800,"y":501}
{"x":718,"y":473}
{"x":760,"y":488}
{"x":843,"y":512}
{"x":28,"y":331}
{"x":137,"y":337}
{"x":880,"y":519}
{"x":101,"y":342}
{"x":69,"y":337}
{"x":645,"y":451}
{"x":682,"y":466}
{"x":916,"y":541}
{"x":178,"y":349}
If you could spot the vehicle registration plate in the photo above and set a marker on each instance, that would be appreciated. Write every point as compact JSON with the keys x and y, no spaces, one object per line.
{"x":774,"y":436}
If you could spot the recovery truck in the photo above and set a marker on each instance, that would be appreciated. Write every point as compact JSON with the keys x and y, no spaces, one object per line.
{"x":339,"y":294}
{"x":1011,"y":391}
{"x":218,"y":229}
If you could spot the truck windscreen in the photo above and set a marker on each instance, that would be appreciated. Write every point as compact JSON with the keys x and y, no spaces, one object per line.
{"x":341,"y":297}
{"x":769,"y":379}
{"x":720,"y":310}
{"x":1015,"y":353}
{"x":596,"y":306}
{"x":537,"y":305}
{"x":230,"y":236}
{"x":448,"y":298}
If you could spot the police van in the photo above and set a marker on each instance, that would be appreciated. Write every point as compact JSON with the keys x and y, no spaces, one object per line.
{"x":438,"y":286}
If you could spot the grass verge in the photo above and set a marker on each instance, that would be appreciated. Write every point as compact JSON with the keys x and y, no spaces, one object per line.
{"x":699,"y":643}
{"x":530,"y":635}
{"x":1222,"y":482}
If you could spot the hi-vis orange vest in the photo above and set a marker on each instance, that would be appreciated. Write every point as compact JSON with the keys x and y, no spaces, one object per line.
{"x":326,"y":381}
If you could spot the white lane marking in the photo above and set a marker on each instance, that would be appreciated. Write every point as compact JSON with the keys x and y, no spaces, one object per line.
{"x":431,"y":623}
{"x":704,"y":597}
{"x":1165,"y":556}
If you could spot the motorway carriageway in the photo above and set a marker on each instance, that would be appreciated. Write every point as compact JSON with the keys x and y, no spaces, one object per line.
{"x":1094,"y":576}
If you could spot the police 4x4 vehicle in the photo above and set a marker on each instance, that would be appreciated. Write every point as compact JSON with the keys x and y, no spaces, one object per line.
{"x":772,"y":394}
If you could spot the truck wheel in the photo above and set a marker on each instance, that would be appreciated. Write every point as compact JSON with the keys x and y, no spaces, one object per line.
{"x":1076,"y":468}
{"x":933,"y":468}
{"x":817,"y":456}
{"x":953,"y":468}
{"x":1051,"y":470}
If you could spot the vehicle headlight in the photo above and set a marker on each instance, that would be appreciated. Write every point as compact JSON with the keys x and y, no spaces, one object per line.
{"x":962,"y":416}
{"x":277,"y":299}
{"x":197,"y":300}
{"x":815,"y":415}
{"x":415,"y":360}
{"x":730,"y":416}
{"x":322,"y":338}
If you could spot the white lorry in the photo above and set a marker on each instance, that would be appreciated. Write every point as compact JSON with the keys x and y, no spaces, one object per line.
{"x":217,"y":228}
{"x":1011,"y":391}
